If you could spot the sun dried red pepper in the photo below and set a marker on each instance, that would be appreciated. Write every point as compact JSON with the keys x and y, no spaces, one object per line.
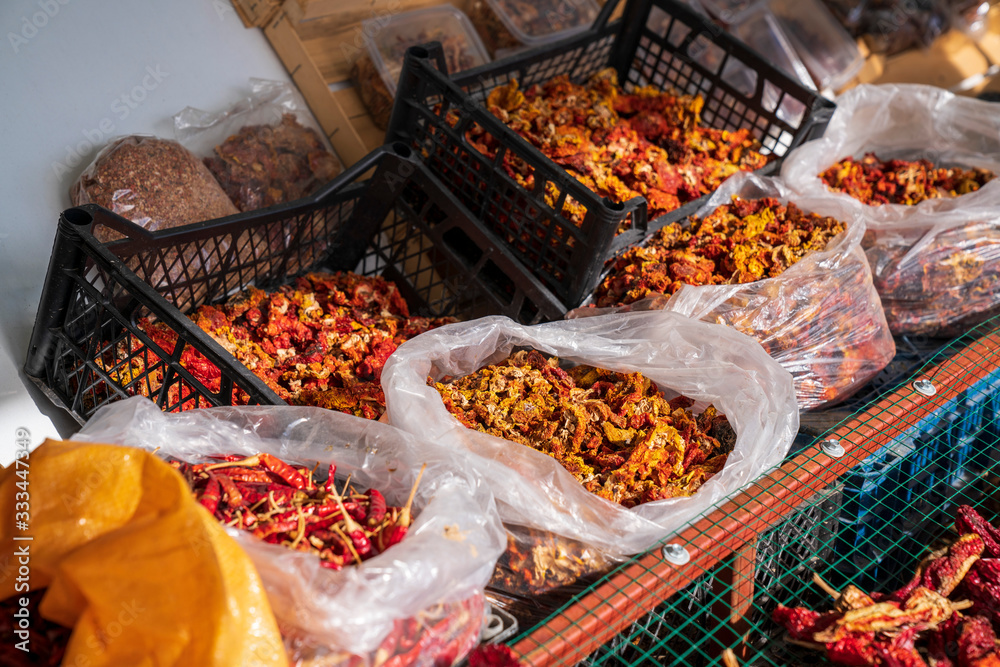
{"x":882,"y":629}
{"x":321,"y":341}
{"x":742,"y":242}
{"x":613,"y":431}
{"x":875,"y":182}
{"x":620,"y":145}
{"x":937,"y":283}
{"x":943,"y":569}
{"x":293,"y":511}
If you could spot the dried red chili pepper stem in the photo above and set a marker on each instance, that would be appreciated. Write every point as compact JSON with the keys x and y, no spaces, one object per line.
{"x":827,"y":588}
{"x":404,"y":515}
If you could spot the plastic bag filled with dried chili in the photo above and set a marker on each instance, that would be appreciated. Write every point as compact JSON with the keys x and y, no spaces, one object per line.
{"x":935,"y":262}
{"x":559,"y":531}
{"x":820,"y":318}
{"x":419,"y":603}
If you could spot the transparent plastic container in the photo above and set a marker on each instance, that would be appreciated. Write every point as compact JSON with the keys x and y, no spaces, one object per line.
{"x":760,"y":30}
{"x":376,"y":72}
{"x":508,"y":26}
{"x":829,"y":52}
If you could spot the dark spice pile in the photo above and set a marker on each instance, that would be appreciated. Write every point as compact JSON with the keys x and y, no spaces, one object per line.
{"x":875,"y":182}
{"x":534,"y":18}
{"x":262,"y":165}
{"x":371,"y":86}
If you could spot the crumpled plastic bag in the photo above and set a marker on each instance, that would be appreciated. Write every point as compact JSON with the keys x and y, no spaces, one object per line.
{"x":420,"y":602}
{"x":265,"y":149}
{"x":936,"y":263}
{"x":821,"y":319}
{"x":133,"y":563}
{"x":537,"y":497}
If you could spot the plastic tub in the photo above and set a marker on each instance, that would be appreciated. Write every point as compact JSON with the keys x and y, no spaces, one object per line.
{"x":377,"y":70}
{"x":507,"y":26}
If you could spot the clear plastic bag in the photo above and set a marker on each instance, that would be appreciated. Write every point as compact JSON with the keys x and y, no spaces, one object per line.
{"x":420,"y":602}
{"x":156,"y":183}
{"x":935,"y":264}
{"x":265,"y":149}
{"x":821,"y":319}
{"x":540,"y":502}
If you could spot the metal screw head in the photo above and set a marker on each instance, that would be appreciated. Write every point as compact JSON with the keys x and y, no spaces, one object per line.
{"x":676,"y":554}
{"x":925,"y":387}
{"x":832,"y":447}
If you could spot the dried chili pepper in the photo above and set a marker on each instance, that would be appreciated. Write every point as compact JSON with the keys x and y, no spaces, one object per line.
{"x":613,"y":431}
{"x":320,"y":341}
{"x":968,"y":520}
{"x":883,"y":628}
{"x":291,"y":510}
{"x":943,"y":569}
{"x":620,"y":145}
{"x":875,"y":182}
{"x":977,"y":644}
{"x":493,"y":655}
{"x":936,"y":282}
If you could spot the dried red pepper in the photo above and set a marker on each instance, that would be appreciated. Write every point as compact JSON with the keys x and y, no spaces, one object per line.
{"x":883,"y":629}
{"x":620,"y":145}
{"x":320,"y":341}
{"x":290,"y":509}
{"x":613,"y":431}
{"x":938,"y":283}
{"x":875,"y":182}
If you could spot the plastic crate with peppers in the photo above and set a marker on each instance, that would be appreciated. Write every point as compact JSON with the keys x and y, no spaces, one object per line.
{"x":321,"y":341}
{"x":598,"y":436}
{"x":948,"y":613}
{"x":646,"y":143}
{"x":381,"y":562}
{"x":921,"y":165}
{"x":776,"y":270}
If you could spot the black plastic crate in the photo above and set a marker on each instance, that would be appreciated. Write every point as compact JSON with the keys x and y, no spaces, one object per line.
{"x":399,"y":223}
{"x":659,"y":43}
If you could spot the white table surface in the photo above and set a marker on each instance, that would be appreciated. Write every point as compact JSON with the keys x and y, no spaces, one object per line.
{"x":65,"y":81}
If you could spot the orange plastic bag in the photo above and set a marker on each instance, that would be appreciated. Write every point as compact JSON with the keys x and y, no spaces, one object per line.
{"x":141,"y":572}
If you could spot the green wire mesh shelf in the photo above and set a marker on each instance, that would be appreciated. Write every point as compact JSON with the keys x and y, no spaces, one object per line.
{"x":861,"y":505}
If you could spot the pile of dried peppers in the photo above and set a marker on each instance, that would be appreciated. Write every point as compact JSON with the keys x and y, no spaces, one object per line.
{"x":949,"y":284}
{"x":951,"y":607}
{"x":620,"y":145}
{"x":320,"y":341}
{"x":875,"y":182}
{"x":741,"y":242}
{"x":613,"y":431}
{"x":281,"y":504}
